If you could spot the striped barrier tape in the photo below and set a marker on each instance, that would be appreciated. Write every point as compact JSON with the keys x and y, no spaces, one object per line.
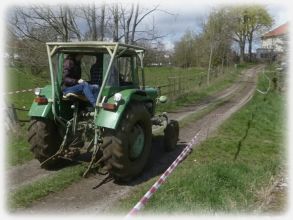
{"x":19,"y":91}
{"x":142,"y":202}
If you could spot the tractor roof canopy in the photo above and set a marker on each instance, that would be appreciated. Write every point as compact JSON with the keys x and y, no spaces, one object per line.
{"x":93,"y":47}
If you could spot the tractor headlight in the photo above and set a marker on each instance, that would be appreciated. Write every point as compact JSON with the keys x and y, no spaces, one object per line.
{"x":38,"y":91}
{"x":117,"y":97}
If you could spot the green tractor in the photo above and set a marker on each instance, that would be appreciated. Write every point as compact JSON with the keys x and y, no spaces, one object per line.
{"x":117,"y":133}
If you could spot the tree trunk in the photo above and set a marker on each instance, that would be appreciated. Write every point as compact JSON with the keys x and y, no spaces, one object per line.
{"x":116,"y":23}
{"x":64,"y":18}
{"x":94,"y":25}
{"x":222,"y":66}
{"x":134,"y":24}
{"x":102,"y":24}
{"x":242,"y":51}
{"x":250,"y":46}
{"x":126,"y":37}
{"x":72,"y":25}
{"x":210,"y":65}
{"x":250,"y":50}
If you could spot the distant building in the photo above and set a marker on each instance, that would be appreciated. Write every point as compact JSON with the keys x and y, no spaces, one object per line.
{"x":274,"y":43}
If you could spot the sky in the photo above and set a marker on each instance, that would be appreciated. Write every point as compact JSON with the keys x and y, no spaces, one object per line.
{"x":188,"y":15}
{"x":175,"y":17}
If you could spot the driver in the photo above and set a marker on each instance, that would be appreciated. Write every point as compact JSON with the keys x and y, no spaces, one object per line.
{"x":72,"y":82}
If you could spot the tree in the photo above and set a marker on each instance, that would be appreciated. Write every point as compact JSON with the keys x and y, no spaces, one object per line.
{"x":184,"y":50}
{"x":115,"y":28}
{"x":239,"y":17}
{"x":248,"y":20}
{"x":59,"y":19}
{"x":90,"y":16}
{"x":218,"y":32}
{"x":131,"y":19}
{"x":102,"y":22}
{"x":209,"y":47}
{"x":125,"y":22}
{"x":94,"y":17}
{"x":35,"y":25}
{"x":258,"y":18}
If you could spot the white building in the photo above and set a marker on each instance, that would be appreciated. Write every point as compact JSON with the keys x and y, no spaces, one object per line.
{"x":274,"y":43}
{"x":276,"y":39}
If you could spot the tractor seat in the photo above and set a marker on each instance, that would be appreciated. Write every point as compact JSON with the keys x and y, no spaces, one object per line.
{"x":72,"y":96}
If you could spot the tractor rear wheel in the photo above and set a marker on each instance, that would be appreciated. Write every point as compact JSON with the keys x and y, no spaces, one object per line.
{"x":126,"y":150}
{"x":44,"y":140}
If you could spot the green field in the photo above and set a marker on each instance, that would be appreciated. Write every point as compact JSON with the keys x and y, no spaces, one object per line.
{"x":156,"y":76}
{"x":191,"y":79}
{"x":17,"y":80}
{"x":174,"y":82}
{"x":214,"y":178}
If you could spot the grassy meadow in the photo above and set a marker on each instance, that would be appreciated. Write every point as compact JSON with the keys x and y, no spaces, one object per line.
{"x":232,"y":171}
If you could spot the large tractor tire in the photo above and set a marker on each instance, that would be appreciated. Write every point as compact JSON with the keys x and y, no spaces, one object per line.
{"x":126,"y":150}
{"x":44,"y":139}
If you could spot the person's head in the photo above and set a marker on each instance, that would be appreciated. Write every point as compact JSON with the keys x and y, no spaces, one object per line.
{"x":75,"y":56}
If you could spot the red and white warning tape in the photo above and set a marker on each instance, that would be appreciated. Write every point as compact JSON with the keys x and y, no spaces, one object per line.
{"x":19,"y":91}
{"x":142,"y":202}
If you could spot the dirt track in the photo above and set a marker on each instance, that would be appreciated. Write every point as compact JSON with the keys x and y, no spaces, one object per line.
{"x":81,"y":198}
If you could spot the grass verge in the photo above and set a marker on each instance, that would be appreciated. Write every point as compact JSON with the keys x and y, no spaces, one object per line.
{"x":25,"y":195}
{"x":230,"y":172}
{"x":18,"y":147}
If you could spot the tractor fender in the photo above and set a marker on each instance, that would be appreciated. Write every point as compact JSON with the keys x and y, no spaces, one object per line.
{"x":110,"y":119}
{"x":44,"y":110}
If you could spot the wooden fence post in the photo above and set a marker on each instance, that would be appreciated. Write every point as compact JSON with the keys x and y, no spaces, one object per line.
{"x":11,"y":120}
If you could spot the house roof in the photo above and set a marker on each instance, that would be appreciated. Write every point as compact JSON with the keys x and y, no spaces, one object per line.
{"x":281,"y":30}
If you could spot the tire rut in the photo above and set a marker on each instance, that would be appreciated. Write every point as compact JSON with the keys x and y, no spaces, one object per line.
{"x":25,"y":174}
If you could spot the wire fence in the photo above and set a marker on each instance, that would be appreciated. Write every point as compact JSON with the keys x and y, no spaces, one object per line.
{"x":180,"y":85}
{"x":176,"y":87}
